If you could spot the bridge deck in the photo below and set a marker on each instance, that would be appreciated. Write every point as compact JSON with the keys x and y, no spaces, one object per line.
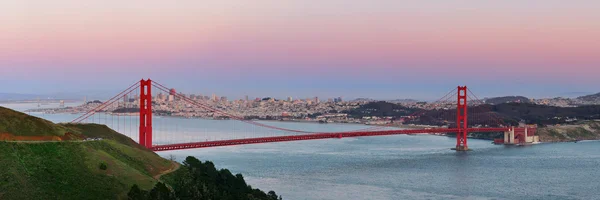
{"x":314,"y":137}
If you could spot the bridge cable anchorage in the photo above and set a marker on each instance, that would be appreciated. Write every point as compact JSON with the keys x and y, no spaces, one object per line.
{"x":103,"y":105}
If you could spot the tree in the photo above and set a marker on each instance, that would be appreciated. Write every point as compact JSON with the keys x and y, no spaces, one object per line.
{"x":135,"y":193}
{"x":271,"y":195}
{"x":197,"y":180}
{"x":161,"y":192}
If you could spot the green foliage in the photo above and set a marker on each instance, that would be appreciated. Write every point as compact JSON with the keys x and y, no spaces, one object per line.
{"x":161,"y":192}
{"x":555,"y":134}
{"x":21,"y":124}
{"x":103,"y":166}
{"x":70,"y":170}
{"x":580,"y":133}
{"x":136,"y":193}
{"x":196,"y":180}
{"x":104,"y":132}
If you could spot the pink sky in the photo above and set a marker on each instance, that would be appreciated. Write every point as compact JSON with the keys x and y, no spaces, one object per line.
{"x":380,"y":40}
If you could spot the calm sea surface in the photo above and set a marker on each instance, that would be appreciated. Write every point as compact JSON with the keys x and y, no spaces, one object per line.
{"x":384,"y":167}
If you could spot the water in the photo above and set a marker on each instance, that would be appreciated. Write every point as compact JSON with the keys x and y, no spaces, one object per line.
{"x":398,"y":167}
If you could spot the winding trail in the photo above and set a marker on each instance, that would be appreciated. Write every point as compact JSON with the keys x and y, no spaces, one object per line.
{"x":174,"y":167}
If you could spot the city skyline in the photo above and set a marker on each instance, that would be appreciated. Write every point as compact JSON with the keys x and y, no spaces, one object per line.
{"x":377,"y":49}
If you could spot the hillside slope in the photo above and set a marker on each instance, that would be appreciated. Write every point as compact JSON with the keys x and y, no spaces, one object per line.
{"x":507,"y":99}
{"x":75,"y":169}
{"x":21,"y":124}
{"x":592,"y":97}
{"x":588,"y":130}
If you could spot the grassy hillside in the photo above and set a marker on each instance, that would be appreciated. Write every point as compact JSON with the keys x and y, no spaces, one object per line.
{"x":101,"y":131}
{"x":71,"y":170}
{"x":18,"y":123}
{"x":104,"y":169}
{"x":588,"y":130}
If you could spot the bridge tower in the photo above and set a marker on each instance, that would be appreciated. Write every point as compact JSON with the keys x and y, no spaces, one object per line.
{"x":461,"y":119}
{"x":146,"y":113}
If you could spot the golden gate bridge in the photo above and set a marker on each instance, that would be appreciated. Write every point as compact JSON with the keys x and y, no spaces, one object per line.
{"x":460,"y":97}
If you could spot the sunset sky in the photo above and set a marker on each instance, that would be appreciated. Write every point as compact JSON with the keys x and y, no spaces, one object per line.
{"x":383,"y":49}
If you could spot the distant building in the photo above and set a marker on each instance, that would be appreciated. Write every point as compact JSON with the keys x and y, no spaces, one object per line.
{"x":161,"y":97}
{"x":289,"y":99}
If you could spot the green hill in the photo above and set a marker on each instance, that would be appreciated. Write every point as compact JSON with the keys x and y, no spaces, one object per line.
{"x":18,"y":123}
{"x":76,"y":169}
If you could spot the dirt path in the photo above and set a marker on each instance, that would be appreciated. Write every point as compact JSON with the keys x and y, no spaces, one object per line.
{"x":174,"y":167}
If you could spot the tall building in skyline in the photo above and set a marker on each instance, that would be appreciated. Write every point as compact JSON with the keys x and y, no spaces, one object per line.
{"x":161,"y":97}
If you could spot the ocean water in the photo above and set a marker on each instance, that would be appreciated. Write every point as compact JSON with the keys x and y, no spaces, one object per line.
{"x":382,"y":167}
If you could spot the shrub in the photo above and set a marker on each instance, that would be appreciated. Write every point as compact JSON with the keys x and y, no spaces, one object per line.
{"x":103,"y":166}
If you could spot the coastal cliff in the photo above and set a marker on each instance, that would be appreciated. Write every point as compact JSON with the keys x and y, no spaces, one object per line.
{"x":586,"y":130}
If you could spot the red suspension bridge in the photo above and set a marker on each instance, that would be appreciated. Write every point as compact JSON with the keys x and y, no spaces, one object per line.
{"x":134,"y":116}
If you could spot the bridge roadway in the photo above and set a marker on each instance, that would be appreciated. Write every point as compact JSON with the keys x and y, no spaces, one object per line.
{"x":316,"y":136}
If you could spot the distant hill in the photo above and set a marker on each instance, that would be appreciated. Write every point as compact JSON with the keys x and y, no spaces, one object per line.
{"x":362,"y":99}
{"x":403,"y":101}
{"x":21,"y":124}
{"x":380,"y":109}
{"x":507,"y":99}
{"x":513,"y":113}
{"x":590,"y":98}
{"x":15,"y":96}
{"x":573,"y":94}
